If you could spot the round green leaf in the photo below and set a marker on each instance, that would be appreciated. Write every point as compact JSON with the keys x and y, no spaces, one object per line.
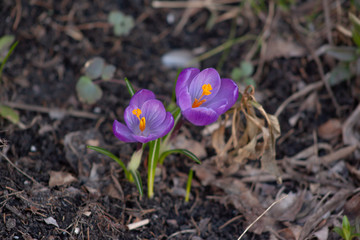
{"x":87,"y":91}
{"x":236,"y":74}
{"x":115,"y":17}
{"x":94,"y":67}
{"x":246,"y":68}
{"x":9,"y":113}
{"x":108,"y":72}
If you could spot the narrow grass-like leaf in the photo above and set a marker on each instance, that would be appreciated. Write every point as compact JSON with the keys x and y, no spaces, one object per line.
{"x":137,"y":180}
{"x":181,"y":151}
{"x":9,"y":113}
{"x":112,"y":156}
{"x":188,"y":185}
{"x":129,"y":87}
{"x":154,"y":147}
{"x":12,"y":48}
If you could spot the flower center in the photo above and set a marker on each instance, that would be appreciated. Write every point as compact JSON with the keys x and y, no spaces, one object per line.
{"x":206,"y":91}
{"x":142,"y":124}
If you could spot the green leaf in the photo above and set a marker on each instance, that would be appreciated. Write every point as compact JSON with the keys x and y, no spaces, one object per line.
{"x":5,"y":43}
{"x":236,"y":74}
{"x":154,"y":147}
{"x":121,"y":22}
{"x":112,"y":156}
{"x":94,"y":67}
{"x":181,"y":151}
{"x":355,"y":21}
{"x":346,"y":223}
{"x":250,"y":81}
{"x":137,"y":180}
{"x":342,"y":53}
{"x":339,"y":74}
{"x":87,"y":91}
{"x":188,"y":185}
{"x":129,"y":87}
{"x":339,"y":231}
{"x":115,"y":17}
{"x":108,"y":72}
{"x":9,"y":114}
{"x":247,"y":68}
{"x":12,"y":48}
{"x":356,"y":37}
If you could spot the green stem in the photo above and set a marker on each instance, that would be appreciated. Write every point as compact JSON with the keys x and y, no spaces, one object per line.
{"x":152,"y":162}
{"x":188,"y":185}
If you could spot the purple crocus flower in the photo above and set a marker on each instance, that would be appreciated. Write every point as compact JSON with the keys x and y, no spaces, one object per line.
{"x":146,"y":119}
{"x":204,"y":96}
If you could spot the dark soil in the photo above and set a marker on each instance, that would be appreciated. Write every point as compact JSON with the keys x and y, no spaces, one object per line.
{"x":43,"y":71}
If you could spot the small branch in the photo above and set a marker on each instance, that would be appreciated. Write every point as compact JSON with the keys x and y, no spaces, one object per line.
{"x":34,"y":108}
{"x":19,"y":170}
{"x":141,"y":223}
{"x":306,"y":90}
{"x":257,"y":219}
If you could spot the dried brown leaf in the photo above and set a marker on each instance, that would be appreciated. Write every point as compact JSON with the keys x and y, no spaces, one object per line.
{"x":268,"y":160}
{"x":193,"y":146}
{"x":60,"y":178}
{"x":351,"y":135}
{"x":279,"y":47}
{"x":246,"y":152}
{"x":330,"y":129}
{"x":246,"y":202}
{"x":287,"y":209}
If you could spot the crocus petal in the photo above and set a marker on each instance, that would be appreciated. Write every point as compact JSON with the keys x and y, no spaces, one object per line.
{"x":200,"y":116}
{"x":154,"y":112}
{"x":159,"y":132}
{"x":165,"y":127}
{"x":184,"y":79}
{"x":206,"y":76}
{"x":140,"y":97}
{"x":131,"y":120}
{"x":122,"y":132}
{"x":225,"y":98}
{"x":184,"y":100}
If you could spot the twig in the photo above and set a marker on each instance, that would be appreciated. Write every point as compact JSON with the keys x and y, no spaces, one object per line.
{"x":141,"y":223}
{"x":327,"y":20}
{"x":316,"y":58}
{"x":225,"y":45}
{"x":306,"y":90}
{"x":257,"y":219}
{"x":18,"y":14}
{"x":21,"y":171}
{"x":230,"y":221}
{"x":181,"y":232}
{"x":265,"y":34}
{"x":191,"y":4}
{"x":34,"y":108}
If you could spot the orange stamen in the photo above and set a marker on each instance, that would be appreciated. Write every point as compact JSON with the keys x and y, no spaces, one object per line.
{"x":206,"y":91}
{"x":142,"y":124}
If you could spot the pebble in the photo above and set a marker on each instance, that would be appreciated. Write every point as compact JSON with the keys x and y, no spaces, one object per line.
{"x":10,"y":223}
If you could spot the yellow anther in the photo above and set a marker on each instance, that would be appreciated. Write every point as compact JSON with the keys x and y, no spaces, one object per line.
{"x":137,"y":113}
{"x":142,"y":124}
{"x":206,"y":91}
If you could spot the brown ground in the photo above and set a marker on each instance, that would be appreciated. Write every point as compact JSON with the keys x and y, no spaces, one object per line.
{"x":51,"y":187}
